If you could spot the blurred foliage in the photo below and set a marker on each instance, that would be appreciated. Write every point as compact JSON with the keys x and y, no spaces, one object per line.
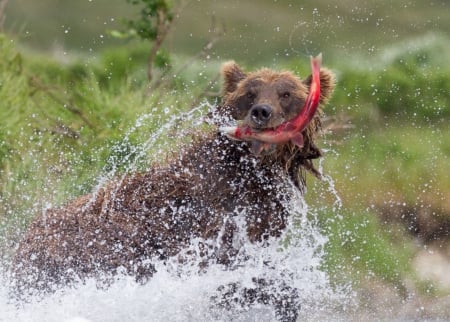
{"x":409,"y":83}
{"x":405,"y":88}
{"x":359,"y":250}
{"x":278,"y":31}
{"x":111,"y":69}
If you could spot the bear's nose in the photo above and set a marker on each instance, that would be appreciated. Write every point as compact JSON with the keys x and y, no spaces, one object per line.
{"x":261,"y":114}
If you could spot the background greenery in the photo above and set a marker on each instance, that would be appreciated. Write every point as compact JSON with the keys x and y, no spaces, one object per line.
{"x":70,"y":95}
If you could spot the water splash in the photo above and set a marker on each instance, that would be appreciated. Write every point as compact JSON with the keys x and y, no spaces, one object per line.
{"x":182,"y":292}
{"x":328,"y":180}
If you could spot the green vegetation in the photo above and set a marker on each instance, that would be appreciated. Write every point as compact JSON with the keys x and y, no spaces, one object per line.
{"x":402,"y":164}
{"x":64,"y":124}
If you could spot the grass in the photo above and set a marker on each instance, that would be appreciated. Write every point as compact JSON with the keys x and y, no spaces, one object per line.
{"x":62,"y":125}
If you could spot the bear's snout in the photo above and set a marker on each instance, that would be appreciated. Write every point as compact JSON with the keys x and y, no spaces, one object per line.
{"x":260,"y":114}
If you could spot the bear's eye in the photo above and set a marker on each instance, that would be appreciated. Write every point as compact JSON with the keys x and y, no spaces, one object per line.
{"x":286,"y":95}
{"x":251,"y":95}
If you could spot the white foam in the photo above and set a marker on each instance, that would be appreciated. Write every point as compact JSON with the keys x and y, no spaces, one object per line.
{"x":182,"y":293}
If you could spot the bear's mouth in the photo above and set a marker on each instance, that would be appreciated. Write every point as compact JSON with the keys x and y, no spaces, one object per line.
{"x":277,"y":121}
{"x":259,"y":129}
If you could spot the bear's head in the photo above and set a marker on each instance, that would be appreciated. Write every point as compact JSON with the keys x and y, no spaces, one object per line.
{"x":264,"y":99}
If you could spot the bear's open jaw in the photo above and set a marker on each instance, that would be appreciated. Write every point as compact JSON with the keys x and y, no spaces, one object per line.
{"x":289,"y":131}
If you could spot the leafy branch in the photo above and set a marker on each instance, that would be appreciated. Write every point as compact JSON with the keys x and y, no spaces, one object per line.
{"x":155,"y":20}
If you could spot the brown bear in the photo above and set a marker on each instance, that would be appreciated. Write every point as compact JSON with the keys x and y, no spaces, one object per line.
{"x":197,"y":194}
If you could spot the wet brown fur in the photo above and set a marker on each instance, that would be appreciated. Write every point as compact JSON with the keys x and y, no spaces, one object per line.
{"x":157,"y":213}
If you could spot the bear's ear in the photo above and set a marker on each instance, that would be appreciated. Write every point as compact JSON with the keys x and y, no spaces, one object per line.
{"x":327,"y":82}
{"x":232,"y":74}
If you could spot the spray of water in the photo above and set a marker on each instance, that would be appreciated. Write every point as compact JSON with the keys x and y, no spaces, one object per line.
{"x":179,"y":291}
